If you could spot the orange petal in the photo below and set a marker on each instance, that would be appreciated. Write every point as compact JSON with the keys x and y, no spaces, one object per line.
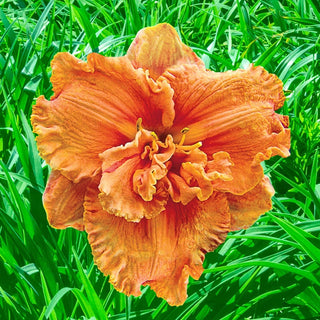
{"x":219,"y":168}
{"x":178,"y":188}
{"x":232,"y":112}
{"x":186,"y":178}
{"x":63,"y":201}
{"x":159,"y":47}
{"x":96,"y":106}
{"x":194,"y":174}
{"x":246,"y":209}
{"x":161,"y":252}
{"x":128,"y":180}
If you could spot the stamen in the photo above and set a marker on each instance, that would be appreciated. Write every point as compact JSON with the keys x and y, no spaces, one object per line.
{"x":154,"y":141}
{"x":154,"y":135}
{"x":184,"y":131}
{"x":139,"y":124}
{"x":190,"y":148}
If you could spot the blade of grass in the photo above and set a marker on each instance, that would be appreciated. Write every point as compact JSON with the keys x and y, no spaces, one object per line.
{"x":301,"y":237}
{"x":316,"y":7}
{"x":34,"y":157}
{"x":24,"y":216}
{"x":46,"y":295}
{"x":37,"y":30}
{"x":19,"y":142}
{"x":57,"y":297}
{"x":268,"y":55}
{"x":83,"y":19}
{"x":93,"y":298}
{"x":269,"y":264}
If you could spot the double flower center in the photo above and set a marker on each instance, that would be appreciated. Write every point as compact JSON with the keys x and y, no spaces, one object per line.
{"x":180,"y":168}
{"x":147,"y":172}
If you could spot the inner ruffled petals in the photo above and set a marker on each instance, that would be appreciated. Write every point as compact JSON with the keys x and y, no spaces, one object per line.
{"x":193,"y":175}
{"x":126,"y":170}
{"x":139,"y":177}
{"x":145,"y":180}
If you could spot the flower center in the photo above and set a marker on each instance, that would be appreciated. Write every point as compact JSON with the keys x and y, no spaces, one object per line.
{"x":138,"y":178}
{"x":174,"y":168}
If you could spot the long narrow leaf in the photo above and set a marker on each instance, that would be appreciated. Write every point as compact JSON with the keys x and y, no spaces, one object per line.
{"x":301,"y":237}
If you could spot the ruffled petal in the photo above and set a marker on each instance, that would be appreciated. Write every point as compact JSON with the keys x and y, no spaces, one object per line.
{"x":129,"y":176}
{"x":232,"y":112}
{"x":63,"y":201}
{"x":246,"y":209}
{"x":219,"y":168}
{"x":187,"y":178}
{"x":191,"y":175}
{"x":159,"y":47}
{"x":161,"y":252}
{"x":96,"y":106}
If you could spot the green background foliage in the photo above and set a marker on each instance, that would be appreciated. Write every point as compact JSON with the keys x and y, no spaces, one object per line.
{"x":270,"y":271}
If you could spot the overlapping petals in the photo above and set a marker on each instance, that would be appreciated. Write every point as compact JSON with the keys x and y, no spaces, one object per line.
{"x":161,"y":252}
{"x":156,"y":157}
{"x":95,"y":107}
{"x":232,"y":112}
{"x":156,"y":170}
{"x":137,"y":164}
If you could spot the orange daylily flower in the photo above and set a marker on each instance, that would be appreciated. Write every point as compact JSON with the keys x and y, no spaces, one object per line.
{"x":157,"y":158}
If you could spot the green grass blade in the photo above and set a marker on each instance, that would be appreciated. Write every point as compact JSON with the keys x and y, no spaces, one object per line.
{"x":269,"y":54}
{"x":46,"y":295}
{"x":311,"y":247}
{"x":316,"y":7}
{"x":20,"y":144}
{"x":83,"y":19}
{"x":269,"y":264}
{"x":93,"y":298}
{"x":24,"y":215}
{"x":33,"y":154}
{"x":37,"y":30}
{"x":298,"y":187}
{"x":57,"y":297}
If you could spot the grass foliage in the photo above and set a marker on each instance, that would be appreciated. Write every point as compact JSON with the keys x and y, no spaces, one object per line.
{"x":270,"y":271}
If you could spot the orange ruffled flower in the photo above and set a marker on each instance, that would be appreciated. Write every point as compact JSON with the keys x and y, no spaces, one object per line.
{"x":156,"y":157}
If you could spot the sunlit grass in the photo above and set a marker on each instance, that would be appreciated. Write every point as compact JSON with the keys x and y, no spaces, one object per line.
{"x":270,"y":271}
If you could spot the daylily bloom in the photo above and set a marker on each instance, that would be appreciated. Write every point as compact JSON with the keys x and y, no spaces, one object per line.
{"x":157,"y":158}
